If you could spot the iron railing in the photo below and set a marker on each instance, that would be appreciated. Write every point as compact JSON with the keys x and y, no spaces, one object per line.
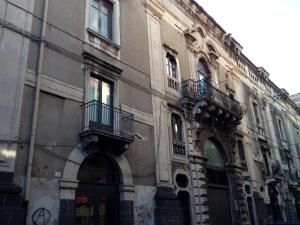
{"x":200,"y":90}
{"x":108,"y":120}
{"x":178,"y":148}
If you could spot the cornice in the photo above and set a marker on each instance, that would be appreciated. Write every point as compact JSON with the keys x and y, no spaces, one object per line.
{"x":154,"y":7}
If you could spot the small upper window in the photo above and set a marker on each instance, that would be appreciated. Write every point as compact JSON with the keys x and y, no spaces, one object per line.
{"x":176,"y":127}
{"x":101,"y":12}
{"x":256,"y":113}
{"x":280,"y":128}
{"x":171,"y":66}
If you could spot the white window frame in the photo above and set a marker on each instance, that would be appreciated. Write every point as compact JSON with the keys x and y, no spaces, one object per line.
{"x":115,"y":19}
{"x":166,"y":51}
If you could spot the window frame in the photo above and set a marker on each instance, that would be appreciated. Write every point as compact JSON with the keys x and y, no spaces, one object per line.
{"x":100,"y":5}
{"x":172,"y":84}
{"x":256,"y":112}
{"x":171,"y":67}
{"x":281,"y":129}
{"x":173,"y":123}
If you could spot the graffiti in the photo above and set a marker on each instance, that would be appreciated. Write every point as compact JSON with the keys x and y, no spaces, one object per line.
{"x":144,"y":215}
{"x":41,"y":216}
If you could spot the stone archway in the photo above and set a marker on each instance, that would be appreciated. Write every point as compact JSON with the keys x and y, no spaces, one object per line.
{"x":69,"y":183}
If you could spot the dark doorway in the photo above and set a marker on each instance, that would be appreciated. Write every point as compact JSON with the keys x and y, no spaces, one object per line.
{"x":251,"y":210}
{"x":97,"y":197}
{"x":273,"y":193}
{"x":217,"y":191}
{"x":184,"y":201}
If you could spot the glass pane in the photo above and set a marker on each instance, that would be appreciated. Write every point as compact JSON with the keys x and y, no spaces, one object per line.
{"x":84,"y":210}
{"x":107,"y":211}
{"x":104,"y":22}
{"x":214,"y":156}
{"x":106,"y":100}
{"x":92,"y":95}
{"x":94,"y":18}
{"x":102,"y":212}
{"x":93,"y":89}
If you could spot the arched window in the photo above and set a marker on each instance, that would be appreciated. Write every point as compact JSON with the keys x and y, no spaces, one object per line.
{"x":213,"y":154}
{"x":176,"y":127}
{"x":171,"y":66}
{"x":202,"y":70}
{"x":215,"y":165}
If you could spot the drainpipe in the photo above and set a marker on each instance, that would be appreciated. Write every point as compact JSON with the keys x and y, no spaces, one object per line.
{"x":36,"y":102}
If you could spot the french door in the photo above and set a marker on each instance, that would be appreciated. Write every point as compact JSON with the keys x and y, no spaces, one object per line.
{"x":100,"y":98}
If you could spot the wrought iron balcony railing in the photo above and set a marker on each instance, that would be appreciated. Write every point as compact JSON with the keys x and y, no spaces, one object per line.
{"x":108,"y":121}
{"x":201,"y":90}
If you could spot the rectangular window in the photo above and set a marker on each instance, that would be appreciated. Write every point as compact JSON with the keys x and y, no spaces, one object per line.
{"x":280,"y":129}
{"x":100,"y":96}
{"x":256,"y":113}
{"x":101,"y":12}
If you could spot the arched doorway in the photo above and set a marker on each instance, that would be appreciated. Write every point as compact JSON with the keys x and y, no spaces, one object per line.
{"x":276,"y":211}
{"x":97,"y":196}
{"x":218,"y":199}
{"x":184,"y":202}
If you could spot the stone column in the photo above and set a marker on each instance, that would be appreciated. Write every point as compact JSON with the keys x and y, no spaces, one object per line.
{"x":235,"y":170}
{"x":199,"y":185}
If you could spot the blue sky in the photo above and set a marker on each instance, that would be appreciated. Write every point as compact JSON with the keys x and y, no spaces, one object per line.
{"x":268,"y":30}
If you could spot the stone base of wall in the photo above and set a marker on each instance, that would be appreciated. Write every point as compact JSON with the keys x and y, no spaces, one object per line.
{"x":66,"y":216}
{"x":126,"y":213}
{"x":167,"y":210}
{"x":12,"y":210}
{"x":66,"y":212}
{"x":263,"y":211}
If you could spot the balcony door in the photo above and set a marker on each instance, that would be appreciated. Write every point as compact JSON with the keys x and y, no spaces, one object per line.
{"x":100,"y":100}
{"x":203,"y":77}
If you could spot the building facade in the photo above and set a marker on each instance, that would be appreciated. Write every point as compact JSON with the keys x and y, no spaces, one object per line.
{"x":139,"y":112}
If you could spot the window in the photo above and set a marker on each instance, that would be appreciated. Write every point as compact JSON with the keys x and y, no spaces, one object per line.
{"x":202,"y":71}
{"x":100,"y":99}
{"x":256,"y":113}
{"x":171,"y":66}
{"x":101,"y":12}
{"x":241,"y":150}
{"x":177,"y":127}
{"x":177,"y":135}
{"x":280,"y":128}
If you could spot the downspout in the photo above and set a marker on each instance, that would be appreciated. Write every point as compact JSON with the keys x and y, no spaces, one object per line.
{"x":36,"y":102}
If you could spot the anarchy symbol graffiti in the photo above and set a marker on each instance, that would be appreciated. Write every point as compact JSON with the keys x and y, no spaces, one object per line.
{"x":41,"y":216}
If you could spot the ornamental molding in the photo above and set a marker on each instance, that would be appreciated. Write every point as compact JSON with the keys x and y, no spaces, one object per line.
{"x":154,"y":7}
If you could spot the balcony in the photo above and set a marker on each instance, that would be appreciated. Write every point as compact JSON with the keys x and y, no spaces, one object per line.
{"x":110,"y":125}
{"x":212,"y":105}
{"x":276,"y":175}
{"x":178,"y":148}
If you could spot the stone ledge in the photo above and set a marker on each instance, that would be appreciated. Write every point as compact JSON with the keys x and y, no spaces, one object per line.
{"x":68,"y":184}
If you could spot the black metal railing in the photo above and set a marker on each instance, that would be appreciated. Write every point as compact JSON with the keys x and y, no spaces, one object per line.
{"x":199,"y":90}
{"x":178,"y":148}
{"x":108,"y":120}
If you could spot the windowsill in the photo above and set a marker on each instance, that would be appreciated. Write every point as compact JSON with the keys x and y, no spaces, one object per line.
{"x":107,"y":45}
